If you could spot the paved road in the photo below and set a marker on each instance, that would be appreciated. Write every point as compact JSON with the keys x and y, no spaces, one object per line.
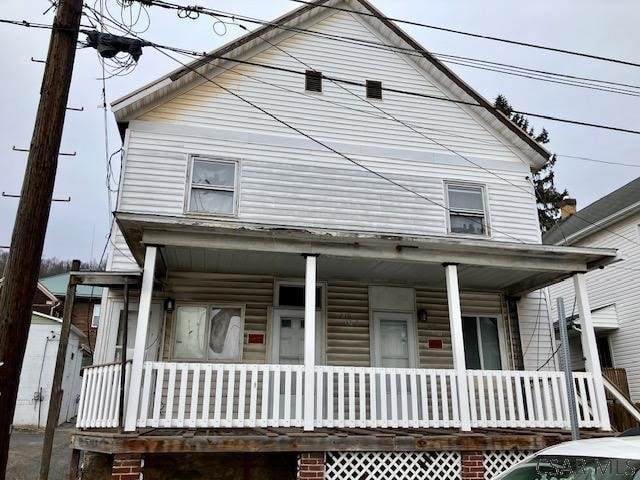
{"x":25,"y":451}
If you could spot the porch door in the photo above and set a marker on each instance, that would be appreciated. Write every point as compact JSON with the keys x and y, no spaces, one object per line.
{"x":288,"y":337}
{"x":288,"y":349}
{"x":395,"y":348}
{"x":395,"y":340}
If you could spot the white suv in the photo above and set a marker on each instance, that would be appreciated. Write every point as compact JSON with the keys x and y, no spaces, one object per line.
{"x":610,"y":458}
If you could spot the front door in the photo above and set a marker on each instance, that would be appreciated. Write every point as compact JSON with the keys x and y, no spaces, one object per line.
{"x":288,"y":337}
{"x":394,"y":340}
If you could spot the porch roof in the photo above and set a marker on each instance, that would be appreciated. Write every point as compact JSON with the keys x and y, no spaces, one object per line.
{"x":229,"y":247}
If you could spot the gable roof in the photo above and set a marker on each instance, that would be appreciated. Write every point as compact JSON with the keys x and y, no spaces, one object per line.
{"x":45,"y":291}
{"x":57,"y":284}
{"x":612,"y":207}
{"x":56,"y":321}
{"x":125,"y":108}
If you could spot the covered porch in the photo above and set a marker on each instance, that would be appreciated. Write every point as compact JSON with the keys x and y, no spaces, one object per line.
{"x":309,"y":383}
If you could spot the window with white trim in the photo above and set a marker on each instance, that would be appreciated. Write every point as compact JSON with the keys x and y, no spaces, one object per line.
{"x":208,"y":333}
{"x":481,"y":343}
{"x":95,"y":316}
{"x":213,"y":186}
{"x":467,"y":209}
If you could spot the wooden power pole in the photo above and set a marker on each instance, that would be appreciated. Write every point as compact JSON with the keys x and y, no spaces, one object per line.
{"x":55,"y":399}
{"x":23,"y":263}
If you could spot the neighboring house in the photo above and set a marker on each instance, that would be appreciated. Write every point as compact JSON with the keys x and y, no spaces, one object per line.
{"x":45,"y":301}
{"x":86,"y":308}
{"x":611,"y":222}
{"x":34,"y":391}
{"x":296,"y":315}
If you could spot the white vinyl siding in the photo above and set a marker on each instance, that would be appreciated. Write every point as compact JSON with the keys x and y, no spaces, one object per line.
{"x":617,"y":284}
{"x":288,"y":180}
{"x":535,"y":332}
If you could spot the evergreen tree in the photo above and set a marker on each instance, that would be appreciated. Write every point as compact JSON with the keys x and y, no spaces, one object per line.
{"x":547,"y":195}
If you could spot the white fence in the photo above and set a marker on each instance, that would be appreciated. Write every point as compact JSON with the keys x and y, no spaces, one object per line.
{"x":99,"y":404}
{"x":193,"y":395}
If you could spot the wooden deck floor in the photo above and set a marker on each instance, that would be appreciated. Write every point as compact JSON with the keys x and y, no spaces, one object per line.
{"x":336,"y":439}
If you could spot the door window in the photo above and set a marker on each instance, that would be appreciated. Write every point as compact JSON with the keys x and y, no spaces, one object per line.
{"x":291,"y":341}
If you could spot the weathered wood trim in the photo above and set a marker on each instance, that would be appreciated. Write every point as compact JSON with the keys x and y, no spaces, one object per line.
{"x":294,"y":440}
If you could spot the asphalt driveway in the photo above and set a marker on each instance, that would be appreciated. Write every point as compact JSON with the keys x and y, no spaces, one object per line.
{"x":26,"y":449}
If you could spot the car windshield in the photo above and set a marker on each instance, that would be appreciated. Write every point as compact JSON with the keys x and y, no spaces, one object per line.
{"x":559,"y":467}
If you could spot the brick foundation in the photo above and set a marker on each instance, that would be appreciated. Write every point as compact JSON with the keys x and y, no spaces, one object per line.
{"x":472,"y":466}
{"x":126,"y":467}
{"x":311,"y":466}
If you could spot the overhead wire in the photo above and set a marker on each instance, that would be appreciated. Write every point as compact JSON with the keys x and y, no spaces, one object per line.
{"x":477,"y":35}
{"x":535,"y":74}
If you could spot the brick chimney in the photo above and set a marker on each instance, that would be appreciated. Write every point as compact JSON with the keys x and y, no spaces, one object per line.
{"x":567,"y":208}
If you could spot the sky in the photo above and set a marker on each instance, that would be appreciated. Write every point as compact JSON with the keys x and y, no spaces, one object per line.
{"x":79,"y":229}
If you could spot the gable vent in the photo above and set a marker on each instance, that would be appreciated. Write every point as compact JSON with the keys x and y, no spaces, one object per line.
{"x":313,"y":81}
{"x":374,"y":89}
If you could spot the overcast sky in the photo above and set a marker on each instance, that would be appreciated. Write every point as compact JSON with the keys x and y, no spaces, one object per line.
{"x":607,"y":28}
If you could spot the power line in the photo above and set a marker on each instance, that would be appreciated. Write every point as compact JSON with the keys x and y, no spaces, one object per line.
{"x":403,"y":92}
{"x":476,"y":35}
{"x":596,"y":160}
{"x":514,"y":70}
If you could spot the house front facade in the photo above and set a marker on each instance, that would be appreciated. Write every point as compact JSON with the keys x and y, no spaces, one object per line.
{"x":325,"y":274}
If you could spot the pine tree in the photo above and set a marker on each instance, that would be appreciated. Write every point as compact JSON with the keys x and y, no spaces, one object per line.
{"x":547,"y":195}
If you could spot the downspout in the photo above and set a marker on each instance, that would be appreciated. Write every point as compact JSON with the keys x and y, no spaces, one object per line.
{"x":37,"y":396}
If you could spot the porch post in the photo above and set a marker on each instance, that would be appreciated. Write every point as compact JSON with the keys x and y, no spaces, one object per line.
{"x":457,"y":344}
{"x":590,"y":347}
{"x":144,"y":309}
{"x":309,"y":341}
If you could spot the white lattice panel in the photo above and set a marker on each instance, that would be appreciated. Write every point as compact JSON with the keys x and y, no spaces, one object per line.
{"x":393,"y":465}
{"x":497,"y":461}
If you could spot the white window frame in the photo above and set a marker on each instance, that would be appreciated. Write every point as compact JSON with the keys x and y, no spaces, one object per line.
{"x":473,"y":213}
{"x":93,"y":315}
{"x":504,"y":359}
{"x":217,"y":188}
{"x":209,"y":307}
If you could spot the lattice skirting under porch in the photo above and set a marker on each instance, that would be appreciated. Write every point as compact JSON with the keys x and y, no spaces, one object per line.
{"x":497,"y":461}
{"x":393,"y":465}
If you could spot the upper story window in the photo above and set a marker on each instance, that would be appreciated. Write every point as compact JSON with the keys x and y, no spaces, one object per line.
{"x":213,"y":186}
{"x":467,"y":209}
{"x":374,"y":89}
{"x":313,"y":81}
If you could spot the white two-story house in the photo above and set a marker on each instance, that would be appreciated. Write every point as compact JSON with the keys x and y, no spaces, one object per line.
{"x":330,"y":248}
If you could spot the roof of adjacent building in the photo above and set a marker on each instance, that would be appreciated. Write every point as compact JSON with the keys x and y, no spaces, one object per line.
{"x":593,"y":218}
{"x":57,"y":284}
{"x":177,"y":79}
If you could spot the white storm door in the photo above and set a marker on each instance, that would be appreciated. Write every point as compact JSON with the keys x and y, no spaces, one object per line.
{"x":395,"y":342}
{"x":288,"y":337}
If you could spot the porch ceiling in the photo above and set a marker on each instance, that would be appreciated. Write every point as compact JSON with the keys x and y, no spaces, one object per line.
{"x":207,"y":246}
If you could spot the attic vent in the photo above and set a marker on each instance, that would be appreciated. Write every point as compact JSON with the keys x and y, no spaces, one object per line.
{"x":313,"y":81}
{"x":374,"y":89}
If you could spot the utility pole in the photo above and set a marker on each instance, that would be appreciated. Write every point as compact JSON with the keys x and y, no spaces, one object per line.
{"x":56,"y":388}
{"x":568,"y":376}
{"x":23,"y":263}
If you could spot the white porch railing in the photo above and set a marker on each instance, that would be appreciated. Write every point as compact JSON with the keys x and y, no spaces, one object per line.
{"x":193,"y":395}
{"x":99,"y":404}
